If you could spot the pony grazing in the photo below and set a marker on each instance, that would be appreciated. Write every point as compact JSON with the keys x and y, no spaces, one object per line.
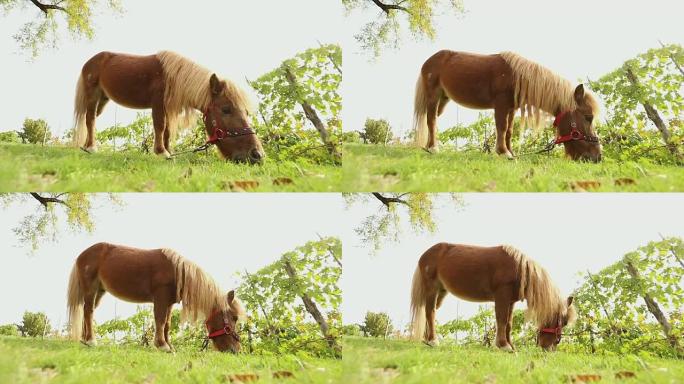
{"x":174,"y":88}
{"x":500,"y":274}
{"x":505,"y":82}
{"x":159,"y":276}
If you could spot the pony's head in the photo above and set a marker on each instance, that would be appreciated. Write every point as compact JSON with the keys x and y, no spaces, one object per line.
{"x":226,"y":120}
{"x":222,"y":324}
{"x":550,"y":334}
{"x":575,"y":128}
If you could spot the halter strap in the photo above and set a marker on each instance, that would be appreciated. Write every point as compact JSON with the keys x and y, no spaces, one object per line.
{"x":219,"y":133}
{"x":226,"y":330}
{"x":574,"y":134}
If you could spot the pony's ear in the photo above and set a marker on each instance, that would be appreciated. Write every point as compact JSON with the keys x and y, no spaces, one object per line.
{"x":215,"y":85}
{"x":579,"y":94}
{"x":570,"y":299}
{"x":230,"y":296}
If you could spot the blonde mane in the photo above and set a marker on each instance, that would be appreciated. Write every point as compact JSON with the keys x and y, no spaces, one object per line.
{"x":197,"y":291}
{"x":544,"y":301}
{"x":187,"y":89}
{"x":536,"y":89}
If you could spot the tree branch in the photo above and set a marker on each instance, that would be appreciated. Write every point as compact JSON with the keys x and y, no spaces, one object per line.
{"x":44,"y":201}
{"x":390,"y":200}
{"x":46,"y":7}
{"x":389,"y":7}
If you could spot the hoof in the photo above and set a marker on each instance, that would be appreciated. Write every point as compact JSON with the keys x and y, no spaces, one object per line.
{"x":91,"y":149}
{"x":431,"y":343}
{"x":434,"y":149}
{"x":165,"y":154}
{"x":165,"y":348}
{"x":89,"y":343}
{"x":507,"y":348}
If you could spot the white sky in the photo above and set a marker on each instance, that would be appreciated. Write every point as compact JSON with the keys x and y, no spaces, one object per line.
{"x":575,"y":39}
{"x":236,"y":39}
{"x":223,"y":233}
{"x":566,"y":233}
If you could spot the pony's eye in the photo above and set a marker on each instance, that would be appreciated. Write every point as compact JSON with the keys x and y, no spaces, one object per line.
{"x":235,"y":318}
{"x":589,"y":118}
{"x":226,"y":110}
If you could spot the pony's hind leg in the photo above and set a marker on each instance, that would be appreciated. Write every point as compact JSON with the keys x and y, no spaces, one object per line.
{"x":509,"y":326}
{"x":434,"y":97}
{"x":92,"y":111}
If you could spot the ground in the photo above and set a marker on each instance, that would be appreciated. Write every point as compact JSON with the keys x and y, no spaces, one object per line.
{"x":58,"y":169}
{"x":25,"y":360}
{"x":371,"y":360}
{"x":373,"y":168}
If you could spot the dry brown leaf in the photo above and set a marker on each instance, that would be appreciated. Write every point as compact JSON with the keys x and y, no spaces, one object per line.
{"x":242,"y":185}
{"x":583,"y":185}
{"x":584,"y":378}
{"x":490,"y":379}
{"x":625,"y":181}
{"x":46,"y":373}
{"x":282,"y":374}
{"x":625,"y":375}
{"x":242,"y":377}
{"x":490,"y":186}
{"x":282,"y":181}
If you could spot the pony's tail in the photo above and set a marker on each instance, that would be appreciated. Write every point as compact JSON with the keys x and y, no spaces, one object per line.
{"x":75,"y":304}
{"x":418,"y":321}
{"x":80,"y":108}
{"x":420,"y":125}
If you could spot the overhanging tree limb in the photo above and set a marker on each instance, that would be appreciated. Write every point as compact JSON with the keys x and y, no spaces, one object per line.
{"x":44,"y":201}
{"x":389,"y":7}
{"x":47,"y":7}
{"x":654,"y":308}
{"x":386,"y":201}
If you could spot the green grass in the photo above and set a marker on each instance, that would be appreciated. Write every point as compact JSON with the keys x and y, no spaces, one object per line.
{"x":375,"y":360}
{"x":407,"y":169}
{"x":35,"y":168}
{"x":33,"y":360}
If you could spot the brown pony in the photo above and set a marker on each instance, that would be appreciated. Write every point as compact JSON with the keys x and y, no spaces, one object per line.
{"x":505,"y":82}
{"x":159,"y":276}
{"x":500,"y":274}
{"x":173,"y":87}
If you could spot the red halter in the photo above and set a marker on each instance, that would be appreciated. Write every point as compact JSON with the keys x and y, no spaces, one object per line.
{"x":219,"y":132}
{"x":558,"y":331}
{"x":226,"y":330}
{"x":574,"y":134}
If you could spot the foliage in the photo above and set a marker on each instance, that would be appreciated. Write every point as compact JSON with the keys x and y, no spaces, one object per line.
{"x":34,"y":324}
{"x":377,"y":131}
{"x":42,"y":32}
{"x":373,"y":360}
{"x":74,"y":209}
{"x":34,"y":131}
{"x":10,"y":137}
{"x":9,"y":330}
{"x":278,"y":323}
{"x":280,"y":120}
{"x":377,"y":324}
{"x":24,"y":360}
{"x":385,"y":30}
{"x":629,"y":132}
{"x":351,"y":330}
{"x":385,"y":223}
{"x":61,"y":169}
{"x":409,"y":169}
{"x":612,"y":313}
{"x":138,"y":135}
{"x":480,"y":329}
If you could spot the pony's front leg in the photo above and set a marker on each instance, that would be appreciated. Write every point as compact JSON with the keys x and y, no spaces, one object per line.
{"x":502,"y":306}
{"x":501,"y":119}
{"x":161,"y":313}
{"x":159,"y":121}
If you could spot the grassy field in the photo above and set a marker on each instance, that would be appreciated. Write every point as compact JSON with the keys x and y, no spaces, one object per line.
{"x":377,"y":361}
{"x":35,"y":168}
{"x":406,"y":169}
{"x":33,"y":360}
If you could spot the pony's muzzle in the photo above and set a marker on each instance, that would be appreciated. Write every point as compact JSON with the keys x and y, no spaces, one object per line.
{"x":255,"y":156}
